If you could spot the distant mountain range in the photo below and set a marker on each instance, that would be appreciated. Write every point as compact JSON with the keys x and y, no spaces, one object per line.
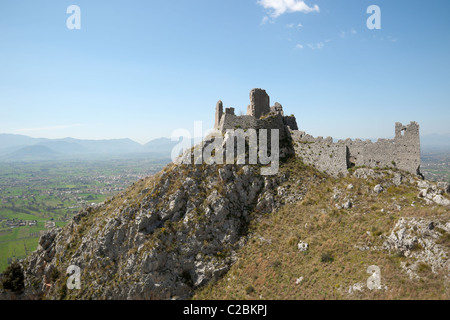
{"x":23,"y":148}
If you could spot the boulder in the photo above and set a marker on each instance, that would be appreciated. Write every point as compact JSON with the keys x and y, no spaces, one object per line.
{"x":439,"y":199}
{"x":303,"y":246}
{"x":378,"y":188}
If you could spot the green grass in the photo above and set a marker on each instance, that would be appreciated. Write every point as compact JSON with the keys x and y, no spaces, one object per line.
{"x":9,"y":214}
{"x":18,"y":243}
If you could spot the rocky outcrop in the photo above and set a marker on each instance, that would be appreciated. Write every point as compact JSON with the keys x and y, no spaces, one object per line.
{"x":420,"y":239}
{"x":431,"y":192}
{"x":163,"y":238}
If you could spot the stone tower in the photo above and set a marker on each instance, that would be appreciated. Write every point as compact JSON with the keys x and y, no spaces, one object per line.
{"x":407,"y":141}
{"x":259,"y":103}
{"x":219,"y":112}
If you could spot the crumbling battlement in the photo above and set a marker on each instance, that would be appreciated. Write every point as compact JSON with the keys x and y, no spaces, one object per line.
{"x":402,"y":152}
{"x":335,"y":158}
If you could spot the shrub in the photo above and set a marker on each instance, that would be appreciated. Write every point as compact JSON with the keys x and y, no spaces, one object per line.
{"x":13,"y":278}
{"x":249,"y":290}
{"x":54,"y":275}
{"x":62,"y":292}
{"x":444,"y":239}
{"x":276,"y":264}
{"x":423,"y":267}
{"x":327,"y":257}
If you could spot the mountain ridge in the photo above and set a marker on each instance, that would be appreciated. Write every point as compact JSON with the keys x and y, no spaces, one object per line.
{"x":10,"y":146}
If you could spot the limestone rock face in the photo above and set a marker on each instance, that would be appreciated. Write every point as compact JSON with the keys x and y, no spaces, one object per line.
{"x":397,"y":180}
{"x":445,"y":186}
{"x":439,"y":199}
{"x":419,"y":239}
{"x":433,"y":192}
{"x":162,"y":238}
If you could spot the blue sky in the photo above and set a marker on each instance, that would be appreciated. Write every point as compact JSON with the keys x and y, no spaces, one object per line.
{"x":141,"y":69}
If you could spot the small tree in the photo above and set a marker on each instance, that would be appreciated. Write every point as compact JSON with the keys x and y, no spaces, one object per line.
{"x":13,"y":278}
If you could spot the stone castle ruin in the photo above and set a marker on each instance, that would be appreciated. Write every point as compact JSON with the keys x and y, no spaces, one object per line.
{"x":334,"y":158}
{"x":257,"y":111}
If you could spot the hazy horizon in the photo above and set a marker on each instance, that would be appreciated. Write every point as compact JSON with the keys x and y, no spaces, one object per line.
{"x":446,"y":135}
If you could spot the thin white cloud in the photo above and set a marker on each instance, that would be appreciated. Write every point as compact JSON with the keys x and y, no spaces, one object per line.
{"x":49,"y":128}
{"x":391,"y":39}
{"x":388,"y":38}
{"x":299,"y":46}
{"x":292,"y":25}
{"x":267,"y":19}
{"x":316,"y":46}
{"x":279,"y":7}
{"x":344,"y":34}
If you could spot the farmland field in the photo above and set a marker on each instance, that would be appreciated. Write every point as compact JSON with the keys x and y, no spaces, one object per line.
{"x":436,"y":165}
{"x":35,"y":196}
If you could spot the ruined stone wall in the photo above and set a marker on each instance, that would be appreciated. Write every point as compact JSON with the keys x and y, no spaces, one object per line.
{"x":277,"y":109}
{"x":274,"y":121}
{"x":402,"y":152}
{"x":369,"y":154}
{"x":321,"y":153}
{"x":231,"y":121}
{"x":291,"y":122}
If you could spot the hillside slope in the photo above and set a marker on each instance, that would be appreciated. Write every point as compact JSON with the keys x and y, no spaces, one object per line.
{"x":225,"y":231}
{"x":37,"y":152}
{"x":322,"y":247}
{"x":164,"y":237}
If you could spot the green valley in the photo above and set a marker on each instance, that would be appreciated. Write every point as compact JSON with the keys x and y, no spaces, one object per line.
{"x":36,"y":196}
